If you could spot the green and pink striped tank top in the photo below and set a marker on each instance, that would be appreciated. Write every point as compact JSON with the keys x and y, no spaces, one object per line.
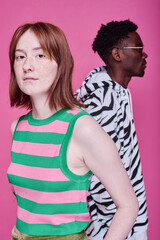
{"x":51,"y":199}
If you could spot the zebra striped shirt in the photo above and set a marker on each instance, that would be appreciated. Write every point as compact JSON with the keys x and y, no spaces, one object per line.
{"x":111,"y":105}
{"x":51,"y":199}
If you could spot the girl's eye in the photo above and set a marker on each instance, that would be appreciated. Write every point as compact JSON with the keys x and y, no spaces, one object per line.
{"x":40,"y":56}
{"x":19,"y":58}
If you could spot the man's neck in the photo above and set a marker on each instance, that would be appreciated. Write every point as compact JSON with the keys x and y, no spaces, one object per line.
{"x":119,"y":77}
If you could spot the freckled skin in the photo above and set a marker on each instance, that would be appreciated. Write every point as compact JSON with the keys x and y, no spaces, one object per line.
{"x":35,"y":72}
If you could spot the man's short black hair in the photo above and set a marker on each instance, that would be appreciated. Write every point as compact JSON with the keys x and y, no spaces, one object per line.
{"x":110,"y":35}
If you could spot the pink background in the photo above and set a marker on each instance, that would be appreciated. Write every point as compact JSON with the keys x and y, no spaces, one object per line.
{"x":80,"y":20}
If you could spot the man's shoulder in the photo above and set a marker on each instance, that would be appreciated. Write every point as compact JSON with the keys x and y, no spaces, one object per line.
{"x":99,"y":78}
{"x":97,"y":72}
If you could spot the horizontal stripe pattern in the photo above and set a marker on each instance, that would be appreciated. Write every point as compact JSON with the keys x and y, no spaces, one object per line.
{"x":50,"y":229}
{"x":74,"y":111}
{"x":35,"y":161}
{"x":47,"y":186}
{"x":36,"y":149}
{"x":51,"y":197}
{"x":55,"y":219}
{"x":43,"y":174}
{"x":50,"y":209}
{"x":45,"y":138}
{"x":57,"y":126}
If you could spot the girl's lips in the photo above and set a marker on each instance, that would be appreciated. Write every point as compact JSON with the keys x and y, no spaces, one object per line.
{"x":30,"y":78}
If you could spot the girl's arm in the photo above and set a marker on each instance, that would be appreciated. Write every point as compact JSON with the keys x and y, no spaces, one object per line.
{"x":100,"y":155}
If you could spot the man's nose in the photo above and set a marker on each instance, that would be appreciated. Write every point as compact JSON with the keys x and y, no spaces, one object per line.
{"x":145,"y":55}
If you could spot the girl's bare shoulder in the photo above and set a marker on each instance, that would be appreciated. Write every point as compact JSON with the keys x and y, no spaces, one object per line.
{"x":13,"y":126}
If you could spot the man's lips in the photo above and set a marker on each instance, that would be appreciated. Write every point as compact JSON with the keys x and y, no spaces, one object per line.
{"x":30,"y":79}
{"x":145,"y":64}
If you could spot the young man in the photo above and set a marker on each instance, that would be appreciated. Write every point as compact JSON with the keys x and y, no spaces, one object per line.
{"x":108,"y":100}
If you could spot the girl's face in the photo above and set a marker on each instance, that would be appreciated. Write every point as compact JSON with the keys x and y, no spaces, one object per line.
{"x":34,"y":70}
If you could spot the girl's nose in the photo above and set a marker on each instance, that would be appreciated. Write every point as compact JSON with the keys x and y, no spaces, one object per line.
{"x":28,"y":64}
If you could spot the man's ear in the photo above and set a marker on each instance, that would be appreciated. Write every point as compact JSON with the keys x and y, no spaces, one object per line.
{"x":116,"y":54}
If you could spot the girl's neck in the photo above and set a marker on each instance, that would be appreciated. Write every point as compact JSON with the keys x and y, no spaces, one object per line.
{"x":41,"y":109}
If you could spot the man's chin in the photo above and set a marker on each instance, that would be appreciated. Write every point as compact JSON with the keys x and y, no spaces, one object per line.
{"x":140,"y":74}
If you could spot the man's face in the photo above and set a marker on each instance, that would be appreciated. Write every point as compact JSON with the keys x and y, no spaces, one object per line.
{"x":133,"y":59}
